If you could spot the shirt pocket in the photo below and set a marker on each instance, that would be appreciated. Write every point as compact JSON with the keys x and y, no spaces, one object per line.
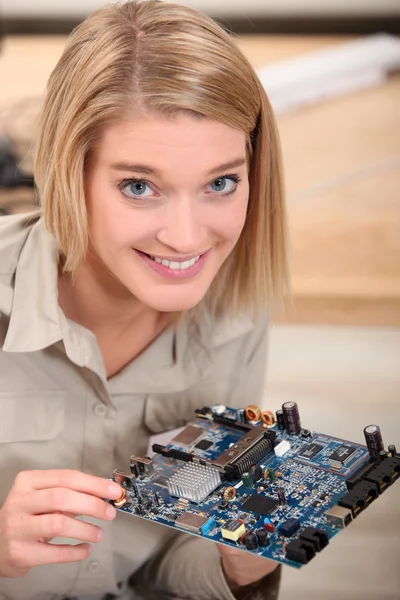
{"x":31,"y":416}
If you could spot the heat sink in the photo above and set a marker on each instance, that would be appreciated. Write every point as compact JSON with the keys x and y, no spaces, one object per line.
{"x":194,"y":482}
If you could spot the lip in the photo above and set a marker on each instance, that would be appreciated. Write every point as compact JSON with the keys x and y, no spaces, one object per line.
{"x":176,"y":274}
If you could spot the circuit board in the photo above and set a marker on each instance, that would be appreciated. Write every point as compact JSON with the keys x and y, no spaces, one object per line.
{"x":258,"y":481}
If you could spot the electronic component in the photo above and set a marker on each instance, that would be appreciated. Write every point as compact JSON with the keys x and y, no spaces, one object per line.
{"x":188,"y":436}
{"x":250,"y":540}
{"x":360,"y":496}
{"x":292,"y":417}
{"x":247,"y":480}
{"x":229,"y":493}
{"x":384,"y":474}
{"x":268,"y":525}
{"x":341,"y":455}
{"x":280,"y":419}
{"x":301,"y":494}
{"x":299,"y":551}
{"x":262,"y":537}
{"x":268,"y":418}
{"x":195,"y":523}
{"x":141,"y":466}
{"x":261,"y":505}
{"x":122,"y":500}
{"x":204,"y":445}
{"x":392,"y":449}
{"x":317,"y":537}
{"x":373,"y":438}
{"x":289,"y":527}
{"x":233,"y":530}
{"x":194,"y":482}
{"x":281,"y":495}
{"x":339,"y":516}
{"x":310,"y":451}
{"x":252,"y":412}
{"x":218,"y":409}
{"x":282,"y":448}
{"x":256,"y":472}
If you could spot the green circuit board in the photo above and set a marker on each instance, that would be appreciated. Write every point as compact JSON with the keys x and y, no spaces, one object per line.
{"x":272,"y":489}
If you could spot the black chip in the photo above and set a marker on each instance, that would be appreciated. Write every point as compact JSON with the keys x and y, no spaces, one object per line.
{"x":262,"y":505}
{"x":310,"y":451}
{"x":203,"y":444}
{"x":342,"y":454}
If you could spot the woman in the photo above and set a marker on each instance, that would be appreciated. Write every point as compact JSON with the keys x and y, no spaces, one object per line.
{"x":136,"y":294}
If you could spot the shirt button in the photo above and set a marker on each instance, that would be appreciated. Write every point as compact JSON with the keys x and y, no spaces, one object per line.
{"x":100,"y":410}
{"x":93,"y":566}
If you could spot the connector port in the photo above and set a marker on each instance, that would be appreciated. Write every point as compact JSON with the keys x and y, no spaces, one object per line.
{"x":339,"y":516}
{"x":384,"y":474}
{"x":317,"y":537}
{"x":300,"y":551}
{"x":359,"y":498}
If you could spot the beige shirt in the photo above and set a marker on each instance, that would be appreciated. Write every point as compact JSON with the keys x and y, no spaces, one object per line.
{"x":58,"y":410}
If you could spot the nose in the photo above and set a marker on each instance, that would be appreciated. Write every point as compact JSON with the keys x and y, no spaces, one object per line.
{"x":183,"y":229}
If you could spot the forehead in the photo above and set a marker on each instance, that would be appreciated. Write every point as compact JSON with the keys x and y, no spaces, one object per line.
{"x":170,"y":143}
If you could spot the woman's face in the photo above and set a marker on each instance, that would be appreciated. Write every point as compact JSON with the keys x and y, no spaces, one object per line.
{"x":167,"y":201}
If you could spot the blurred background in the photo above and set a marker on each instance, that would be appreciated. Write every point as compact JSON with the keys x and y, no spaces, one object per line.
{"x":332,"y":70}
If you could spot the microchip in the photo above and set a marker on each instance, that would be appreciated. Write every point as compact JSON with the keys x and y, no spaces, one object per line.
{"x":342,"y":454}
{"x":188,"y":436}
{"x":262,"y":505}
{"x":310,"y":451}
{"x":204,"y":444}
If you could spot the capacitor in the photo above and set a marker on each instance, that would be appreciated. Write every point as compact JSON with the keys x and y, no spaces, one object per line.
{"x":373,"y":438}
{"x":247,"y":480}
{"x":280,"y":419}
{"x":256,"y":472}
{"x":291,"y":417}
{"x":262,"y":537}
{"x":268,"y":525}
{"x":272,"y":475}
{"x":240,"y":415}
{"x":250,"y":540}
{"x":281,"y":495}
{"x":392,"y":449}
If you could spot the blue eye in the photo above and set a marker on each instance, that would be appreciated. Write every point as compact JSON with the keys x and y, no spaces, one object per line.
{"x":225,"y":185}
{"x":136,"y":188}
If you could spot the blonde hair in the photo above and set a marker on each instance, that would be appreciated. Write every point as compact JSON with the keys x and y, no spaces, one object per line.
{"x":168,"y":58}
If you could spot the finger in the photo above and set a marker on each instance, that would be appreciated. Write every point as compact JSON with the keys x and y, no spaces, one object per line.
{"x":55,"y":500}
{"x":37,"y":553}
{"x":47,"y":527}
{"x":68,"y":478}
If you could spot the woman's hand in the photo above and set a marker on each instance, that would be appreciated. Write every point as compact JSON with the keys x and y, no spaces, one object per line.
{"x":240,"y":568}
{"x":42,"y":505}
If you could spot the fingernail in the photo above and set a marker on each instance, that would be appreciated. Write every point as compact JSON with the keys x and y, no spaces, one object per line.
{"x":100,"y":534}
{"x":110,"y":511}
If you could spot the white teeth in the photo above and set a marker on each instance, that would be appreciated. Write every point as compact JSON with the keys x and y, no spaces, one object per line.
{"x":175,"y":265}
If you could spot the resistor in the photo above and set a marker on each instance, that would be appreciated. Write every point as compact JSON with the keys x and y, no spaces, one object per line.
{"x":281,"y":495}
{"x":292,"y":417}
{"x":373,"y":438}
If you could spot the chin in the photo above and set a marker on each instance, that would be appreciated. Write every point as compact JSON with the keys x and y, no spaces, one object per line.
{"x":173,"y":302}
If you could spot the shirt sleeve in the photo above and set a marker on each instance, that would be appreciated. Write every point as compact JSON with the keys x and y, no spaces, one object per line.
{"x":190,"y":568}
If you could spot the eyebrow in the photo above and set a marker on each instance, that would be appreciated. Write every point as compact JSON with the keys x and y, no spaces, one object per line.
{"x":232,"y":164}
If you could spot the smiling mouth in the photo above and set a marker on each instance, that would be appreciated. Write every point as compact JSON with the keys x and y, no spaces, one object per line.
{"x":174,"y":265}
